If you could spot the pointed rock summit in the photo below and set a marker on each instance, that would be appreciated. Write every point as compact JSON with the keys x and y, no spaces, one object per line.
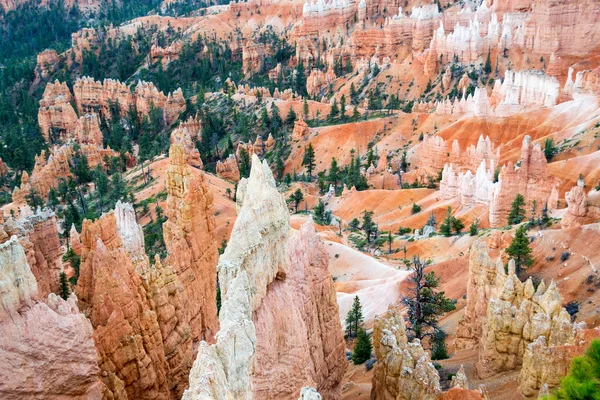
{"x":279,"y":316}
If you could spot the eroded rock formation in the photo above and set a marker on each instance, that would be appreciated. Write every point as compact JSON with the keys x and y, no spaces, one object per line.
{"x":279,"y":317}
{"x":530,"y":179}
{"x":38,"y":235}
{"x":582,"y":207}
{"x":189,"y":235}
{"x":140,"y":311}
{"x":403,"y":370}
{"x":544,"y":365}
{"x":228,"y":169}
{"x":187,"y":140}
{"x":512,"y":323}
{"x":46,"y":348}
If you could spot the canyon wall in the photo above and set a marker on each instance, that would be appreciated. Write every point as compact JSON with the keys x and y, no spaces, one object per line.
{"x":46,"y":347}
{"x":140,"y":310}
{"x":55,"y":165}
{"x":58,"y":120}
{"x":38,"y":235}
{"x":279,"y":316}
{"x":530,"y":179}
{"x":433,"y":153}
{"x":189,"y":235}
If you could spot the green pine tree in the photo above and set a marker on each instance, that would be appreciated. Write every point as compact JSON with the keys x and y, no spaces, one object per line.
{"x":296,"y":198}
{"x":488,"y":64}
{"x":439,"y":351}
{"x":474,"y":228}
{"x":244,"y":163}
{"x":520,"y":251}
{"x":424,"y":303}
{"x":517,"y":210}
{"x":354,"y":318}
{"x":334,"y":173}
{"x":369,"y":227}
{"x":446,"y":227}
{"x":308,"y":160}
{"x":64,"y":286}
{"x":363,"y":348}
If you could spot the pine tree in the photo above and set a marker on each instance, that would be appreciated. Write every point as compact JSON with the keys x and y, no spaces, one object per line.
{"x":474,"y":228}
{"x":300,"y":80}
{"x":517,"y":210}
{"x":64,"y":286}
{"x":354,"y":318}
{"x":343,"y":107}
{"x":334,"y":110}
{"x":550,"y":149}
{"x":297,"y":198}
{"x":244,"y":163}
{"x":305,"y":108}
{"x":322,"y":217}
{"x":353,"y":94}
{"x":390,"y":240}
{"x":308,"y":160}
{"x":488,"y":64}
{"x":457,"y":225}
{"x":446,"y":227}
{"x":363,"y":348}
{"x":368,"y":226}
{"x":520,"y":251}
{"x":425,"y":304}
{"x":439,"y":351}
{"x":291,"y":116}
{"x":334,"y":173}
{"x":279,"y":165}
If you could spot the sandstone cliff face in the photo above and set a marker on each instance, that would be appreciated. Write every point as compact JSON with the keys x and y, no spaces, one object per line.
{"x":531,"y":179}
{"x":189,"y":235}
{"x":46,"y":349}
{"x":139,"y":310}
{"x":55,"y":165}
{"x":279,"y":317}
{"x":38,"y":235}
{"x":403,"y":370}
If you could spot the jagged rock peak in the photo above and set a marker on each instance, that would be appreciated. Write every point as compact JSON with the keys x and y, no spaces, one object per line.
{"x":18,"y":286}
{"x":262,"y":224}
{"x":49,"y":344}
{"x":130,"y":231}
{"x":280,"y":328}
